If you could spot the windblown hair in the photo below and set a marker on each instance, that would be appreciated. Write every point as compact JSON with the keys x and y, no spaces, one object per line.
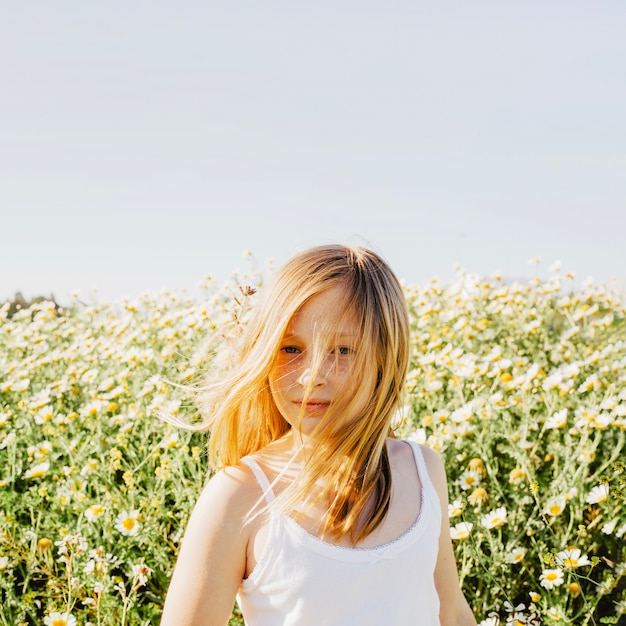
{"x":350,"y":448}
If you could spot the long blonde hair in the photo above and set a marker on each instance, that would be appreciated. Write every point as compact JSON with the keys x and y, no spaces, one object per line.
{"x":243,"y":417}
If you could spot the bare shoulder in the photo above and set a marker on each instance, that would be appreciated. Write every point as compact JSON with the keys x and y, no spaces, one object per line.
{"x":434,"y":463}
{"x":232,"y":491}
{"x":399,"y":450}
{"x":435,"y":468}
{"x":213,"y":554}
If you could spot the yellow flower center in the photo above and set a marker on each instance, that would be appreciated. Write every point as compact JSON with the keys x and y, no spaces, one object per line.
{"x":59,"y":622}
{"x":128,"y":523}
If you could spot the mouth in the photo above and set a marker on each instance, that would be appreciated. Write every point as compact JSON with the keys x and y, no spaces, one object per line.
{"x":313,"y":407}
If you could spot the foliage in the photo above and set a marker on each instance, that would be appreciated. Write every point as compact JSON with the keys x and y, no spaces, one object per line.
{"x":519,"y":387}
{"x":19,"y":303}
{"x":522,"y":389}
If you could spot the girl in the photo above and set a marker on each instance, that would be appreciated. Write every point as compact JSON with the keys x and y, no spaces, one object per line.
{"x":318,"y":516}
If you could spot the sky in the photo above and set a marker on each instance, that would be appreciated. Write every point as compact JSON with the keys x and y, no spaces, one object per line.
{"x":144,"y":145}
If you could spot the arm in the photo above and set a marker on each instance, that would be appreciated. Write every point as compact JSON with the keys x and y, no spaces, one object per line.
{"x":454,"y":608}
{"x":212,"y":559}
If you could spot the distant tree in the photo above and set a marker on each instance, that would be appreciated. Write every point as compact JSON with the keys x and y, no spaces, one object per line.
{"x":19,"y":302}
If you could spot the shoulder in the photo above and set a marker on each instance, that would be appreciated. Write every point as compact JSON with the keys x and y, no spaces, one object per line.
{"x":434,"y":466}
{"x":433,"y":461}
{"x":213,"y":555}
{"x":229,"y":494}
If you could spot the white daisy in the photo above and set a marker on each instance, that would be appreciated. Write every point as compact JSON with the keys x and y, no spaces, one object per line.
{"x":598,"y":494}
{"x":495,"y":518}
{"x":461,"y":530}
{"x":516,"y":555}
{"x":127,"y":522}
{"x":551,"y":578}
{"x":555,"y":506}
{"x":572,"y":558}
{"x":469,"y":479}
{"x":59,"y":619}
{"x":558,"y":420}
{"x":455,"y":508}
{"x":37,"y":471}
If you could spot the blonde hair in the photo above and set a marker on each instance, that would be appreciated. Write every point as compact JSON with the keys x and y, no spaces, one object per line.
{"x":243,"y":417}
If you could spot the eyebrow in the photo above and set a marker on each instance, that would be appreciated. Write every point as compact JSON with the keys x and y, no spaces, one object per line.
{"x":341,"y":336}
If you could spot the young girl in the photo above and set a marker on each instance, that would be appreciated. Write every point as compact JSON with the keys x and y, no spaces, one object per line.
{"x":317,"y":515}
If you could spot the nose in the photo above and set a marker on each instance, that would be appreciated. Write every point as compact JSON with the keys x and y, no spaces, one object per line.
{"x":312,"y":376}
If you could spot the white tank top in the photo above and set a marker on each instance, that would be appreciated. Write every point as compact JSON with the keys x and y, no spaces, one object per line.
{"x":300,"y":580}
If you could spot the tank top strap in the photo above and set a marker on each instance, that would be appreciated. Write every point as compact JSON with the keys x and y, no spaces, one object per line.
{"x":261,"y":478}
{"x":420,"y":463}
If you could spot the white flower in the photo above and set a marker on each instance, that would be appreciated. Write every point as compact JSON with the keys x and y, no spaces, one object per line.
{"x":490,"y":621}
{"x":558,"y":420}
{"x":603,"y":421}
{"x":551,"y":578}
{"x":555,"y":613}
{"x":461,"y":530}
{"x":37,"y":471}
{"x":572,"y":559}
{"x":516,"y":613}
{"x":59,"y":619}
{"x":4,"y":563}
{"x":171,"y":442}
{"x":418,"y":436}
{"x":141,"y":573}
{"x":40,"y":451}
{"x":494,"y":519}
{"x":469,"y":479}
{"x":591,"y":383}
{"x":463,"y":414}
{"x":609,"y":527}
{"x":22,"y":385}
{"x":555,"y":506}
{"x":127,"y":522}
{"x":515,"y":555}
{"x":74,"y":543}
{"x":94,"y":512}
{"x":552,"y":381}
{"x":433,"y":385}
{"x":8,"y":440}
{"x":455,"y":508}
{"x":598,"y":494}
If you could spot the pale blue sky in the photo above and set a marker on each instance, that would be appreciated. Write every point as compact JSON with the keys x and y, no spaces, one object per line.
{"x":146,"y":144}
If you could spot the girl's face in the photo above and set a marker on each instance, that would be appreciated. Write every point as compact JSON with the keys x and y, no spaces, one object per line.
{"x":315,"y":364}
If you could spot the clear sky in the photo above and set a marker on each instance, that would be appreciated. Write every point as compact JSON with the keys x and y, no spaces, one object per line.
{"x":146,"y":144}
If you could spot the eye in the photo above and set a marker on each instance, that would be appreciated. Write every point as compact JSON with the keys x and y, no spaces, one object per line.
{"x":290,"y":350}
{"x":343,"y":350}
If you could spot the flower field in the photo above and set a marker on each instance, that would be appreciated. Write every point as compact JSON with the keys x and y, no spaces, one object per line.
{"x":520,"y":387}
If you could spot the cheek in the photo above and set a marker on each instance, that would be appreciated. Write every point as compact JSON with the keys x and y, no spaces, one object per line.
{"x":280,"y":378}
{"x":364,"y":386}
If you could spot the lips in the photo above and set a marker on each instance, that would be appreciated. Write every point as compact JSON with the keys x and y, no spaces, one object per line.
{"x":313,"y":407}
